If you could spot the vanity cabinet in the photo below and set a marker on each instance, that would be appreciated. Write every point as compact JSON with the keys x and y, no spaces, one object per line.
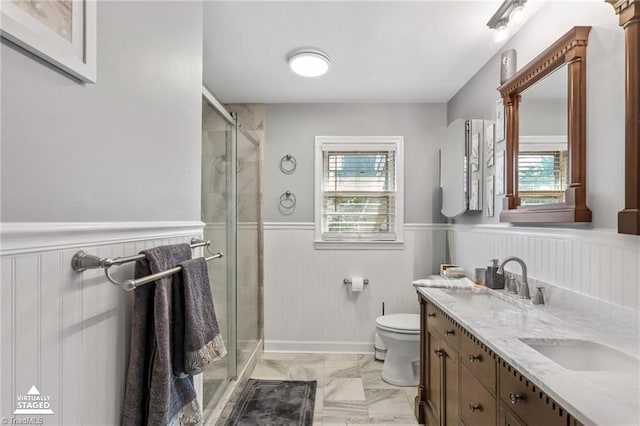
{"x":463,"y":382}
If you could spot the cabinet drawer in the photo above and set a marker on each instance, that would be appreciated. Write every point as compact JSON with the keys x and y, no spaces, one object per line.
{"x":480,"y":360}
{"x":449,"y":330}
{"x":477,"y":406}
{"x":527,"y":401}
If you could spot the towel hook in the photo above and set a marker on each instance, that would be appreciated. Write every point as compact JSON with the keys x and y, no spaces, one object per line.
{"x":288,"y":164}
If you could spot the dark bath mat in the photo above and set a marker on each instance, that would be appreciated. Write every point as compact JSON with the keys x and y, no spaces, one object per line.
{"x":274,"y":402}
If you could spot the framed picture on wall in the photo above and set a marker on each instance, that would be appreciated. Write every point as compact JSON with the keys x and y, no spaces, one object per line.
{"x":488,"y":138}
{"x":61,"y":32}
{"x":474,"y":199}
{"x":499,"y":134}
{"x":500,"y":173}
{"x":489,"y":192}
{"x":475,"y":152}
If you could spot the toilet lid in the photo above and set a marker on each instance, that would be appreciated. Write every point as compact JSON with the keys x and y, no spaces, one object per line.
{"x":403,"y":323}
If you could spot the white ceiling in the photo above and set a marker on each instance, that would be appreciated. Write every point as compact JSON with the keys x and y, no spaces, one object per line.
{"x":381,"y":51}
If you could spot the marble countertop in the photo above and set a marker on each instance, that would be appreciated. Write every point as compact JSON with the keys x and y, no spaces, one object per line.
{"x":607,"y":398}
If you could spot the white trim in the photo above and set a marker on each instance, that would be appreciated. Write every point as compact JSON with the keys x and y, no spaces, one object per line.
{"x":25,"y":237}
{"x":358,"y":245}
{"x":358,"y":143}
{"x":310,"y":226}
{"x":313,"y":347}
{"x":603,"y":235}
{"x":293,"y":226}
{"x":426,"y":226}
{"x":543,"y":143}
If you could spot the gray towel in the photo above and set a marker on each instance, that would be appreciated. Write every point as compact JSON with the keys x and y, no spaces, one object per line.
{"x":154,"y":396}
{"x":202,"y":339}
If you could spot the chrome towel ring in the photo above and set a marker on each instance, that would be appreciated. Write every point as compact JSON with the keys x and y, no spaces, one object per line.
{"x":287,"y":200}
{"x":288,"y":164}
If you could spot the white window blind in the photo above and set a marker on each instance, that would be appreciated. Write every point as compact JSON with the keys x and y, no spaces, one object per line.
{"x":359,"y":186}
{"x":542,"y":176}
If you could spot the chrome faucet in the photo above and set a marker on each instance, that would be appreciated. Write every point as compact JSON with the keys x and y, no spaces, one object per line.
{"x":523,"y":290}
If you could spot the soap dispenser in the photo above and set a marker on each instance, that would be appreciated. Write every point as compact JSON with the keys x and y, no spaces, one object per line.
{"x":493,"y":279}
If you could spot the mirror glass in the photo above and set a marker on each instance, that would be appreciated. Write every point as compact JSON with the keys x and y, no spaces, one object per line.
{"x":543,"y":166}
{"x":453,"y":169}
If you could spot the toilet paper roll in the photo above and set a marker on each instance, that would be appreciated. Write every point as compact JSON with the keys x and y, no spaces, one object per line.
{"x":357,"y":284}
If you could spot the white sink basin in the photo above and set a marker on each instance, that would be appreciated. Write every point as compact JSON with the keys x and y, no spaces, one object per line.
{"x":583,"y":355}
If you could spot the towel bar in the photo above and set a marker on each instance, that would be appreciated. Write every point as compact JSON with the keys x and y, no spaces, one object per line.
{"x":82,"y":261}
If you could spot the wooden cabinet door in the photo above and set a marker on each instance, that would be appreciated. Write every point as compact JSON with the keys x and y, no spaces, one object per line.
{"x":434,"y":378}
{"x":450,"y":409}
{"x":508,"y":418}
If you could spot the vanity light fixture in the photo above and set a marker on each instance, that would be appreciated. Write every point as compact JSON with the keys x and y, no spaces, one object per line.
{"x":502,"y":32}
{"x":509,"y":12}
{"x":309,"y":62}
{"x":517,"y":14}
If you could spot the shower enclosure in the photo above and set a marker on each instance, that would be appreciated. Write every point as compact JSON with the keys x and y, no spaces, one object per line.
{"x":231,"y":211}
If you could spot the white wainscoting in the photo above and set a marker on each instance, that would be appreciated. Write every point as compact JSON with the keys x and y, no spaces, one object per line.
{"x":67,"y":333}
{"x":308,"y":308}
{"x":598,"y":263}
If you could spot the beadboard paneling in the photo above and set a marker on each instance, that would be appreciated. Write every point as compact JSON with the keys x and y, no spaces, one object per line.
{"x":308,"y":308}
{"x":68,"y":333}
{"x":598,"y":263}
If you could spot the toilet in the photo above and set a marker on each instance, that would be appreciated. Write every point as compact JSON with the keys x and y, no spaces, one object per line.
{"x":400,"y":333}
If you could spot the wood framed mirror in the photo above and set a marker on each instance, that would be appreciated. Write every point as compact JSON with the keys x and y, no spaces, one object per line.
{"x":562,"y":198}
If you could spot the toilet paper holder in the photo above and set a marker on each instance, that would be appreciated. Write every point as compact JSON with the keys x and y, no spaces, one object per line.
{"x":347,"y":281}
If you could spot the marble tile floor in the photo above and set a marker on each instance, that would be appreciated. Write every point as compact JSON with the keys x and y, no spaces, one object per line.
{"x":350,"y":390}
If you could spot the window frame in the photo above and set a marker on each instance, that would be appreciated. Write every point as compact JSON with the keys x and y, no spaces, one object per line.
{"x":359,"y":143}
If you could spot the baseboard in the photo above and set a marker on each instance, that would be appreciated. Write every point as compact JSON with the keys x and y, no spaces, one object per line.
{"x":320,"y":347}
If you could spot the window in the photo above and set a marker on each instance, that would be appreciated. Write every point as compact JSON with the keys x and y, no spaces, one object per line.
{"x":542,"y":177}
{"x":359,"y":194}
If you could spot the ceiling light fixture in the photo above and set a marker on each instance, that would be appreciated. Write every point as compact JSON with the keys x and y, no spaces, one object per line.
{"x":309,"y":62}
{"x":510,"y":12}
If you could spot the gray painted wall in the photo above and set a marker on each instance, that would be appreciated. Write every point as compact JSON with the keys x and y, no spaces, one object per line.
{"x":605,"y":98}
{"x":291,"y":129}
{"x":124,"y":149}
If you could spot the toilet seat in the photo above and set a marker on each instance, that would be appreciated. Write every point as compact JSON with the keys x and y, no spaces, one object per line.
{"x":399,"y":323}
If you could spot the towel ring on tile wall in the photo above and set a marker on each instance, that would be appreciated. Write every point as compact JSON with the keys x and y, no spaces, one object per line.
{"x":287,"y":200}
{"x":288,"y":164}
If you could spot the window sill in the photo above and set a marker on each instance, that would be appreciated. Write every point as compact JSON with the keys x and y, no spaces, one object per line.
{"x":358,"y":245}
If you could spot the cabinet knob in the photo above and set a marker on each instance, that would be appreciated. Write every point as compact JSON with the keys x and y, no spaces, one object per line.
{"x":431,"y":315}
{"x":514,"y":397}
{"x":475,"y":407}
{"x":449,"y":332}
{"x":439,"y":352}
{"x":474,"y":358}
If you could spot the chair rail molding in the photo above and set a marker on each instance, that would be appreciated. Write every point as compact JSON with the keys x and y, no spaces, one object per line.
{"x":31,"y":237}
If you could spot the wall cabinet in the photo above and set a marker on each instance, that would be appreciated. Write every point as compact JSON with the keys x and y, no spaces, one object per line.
{"x":463,"y":382}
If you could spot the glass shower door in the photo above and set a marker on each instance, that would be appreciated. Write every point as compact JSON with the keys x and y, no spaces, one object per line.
{"x":248,"y":243}
{"x":218,"y":214}
{"x":231,"y":211}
